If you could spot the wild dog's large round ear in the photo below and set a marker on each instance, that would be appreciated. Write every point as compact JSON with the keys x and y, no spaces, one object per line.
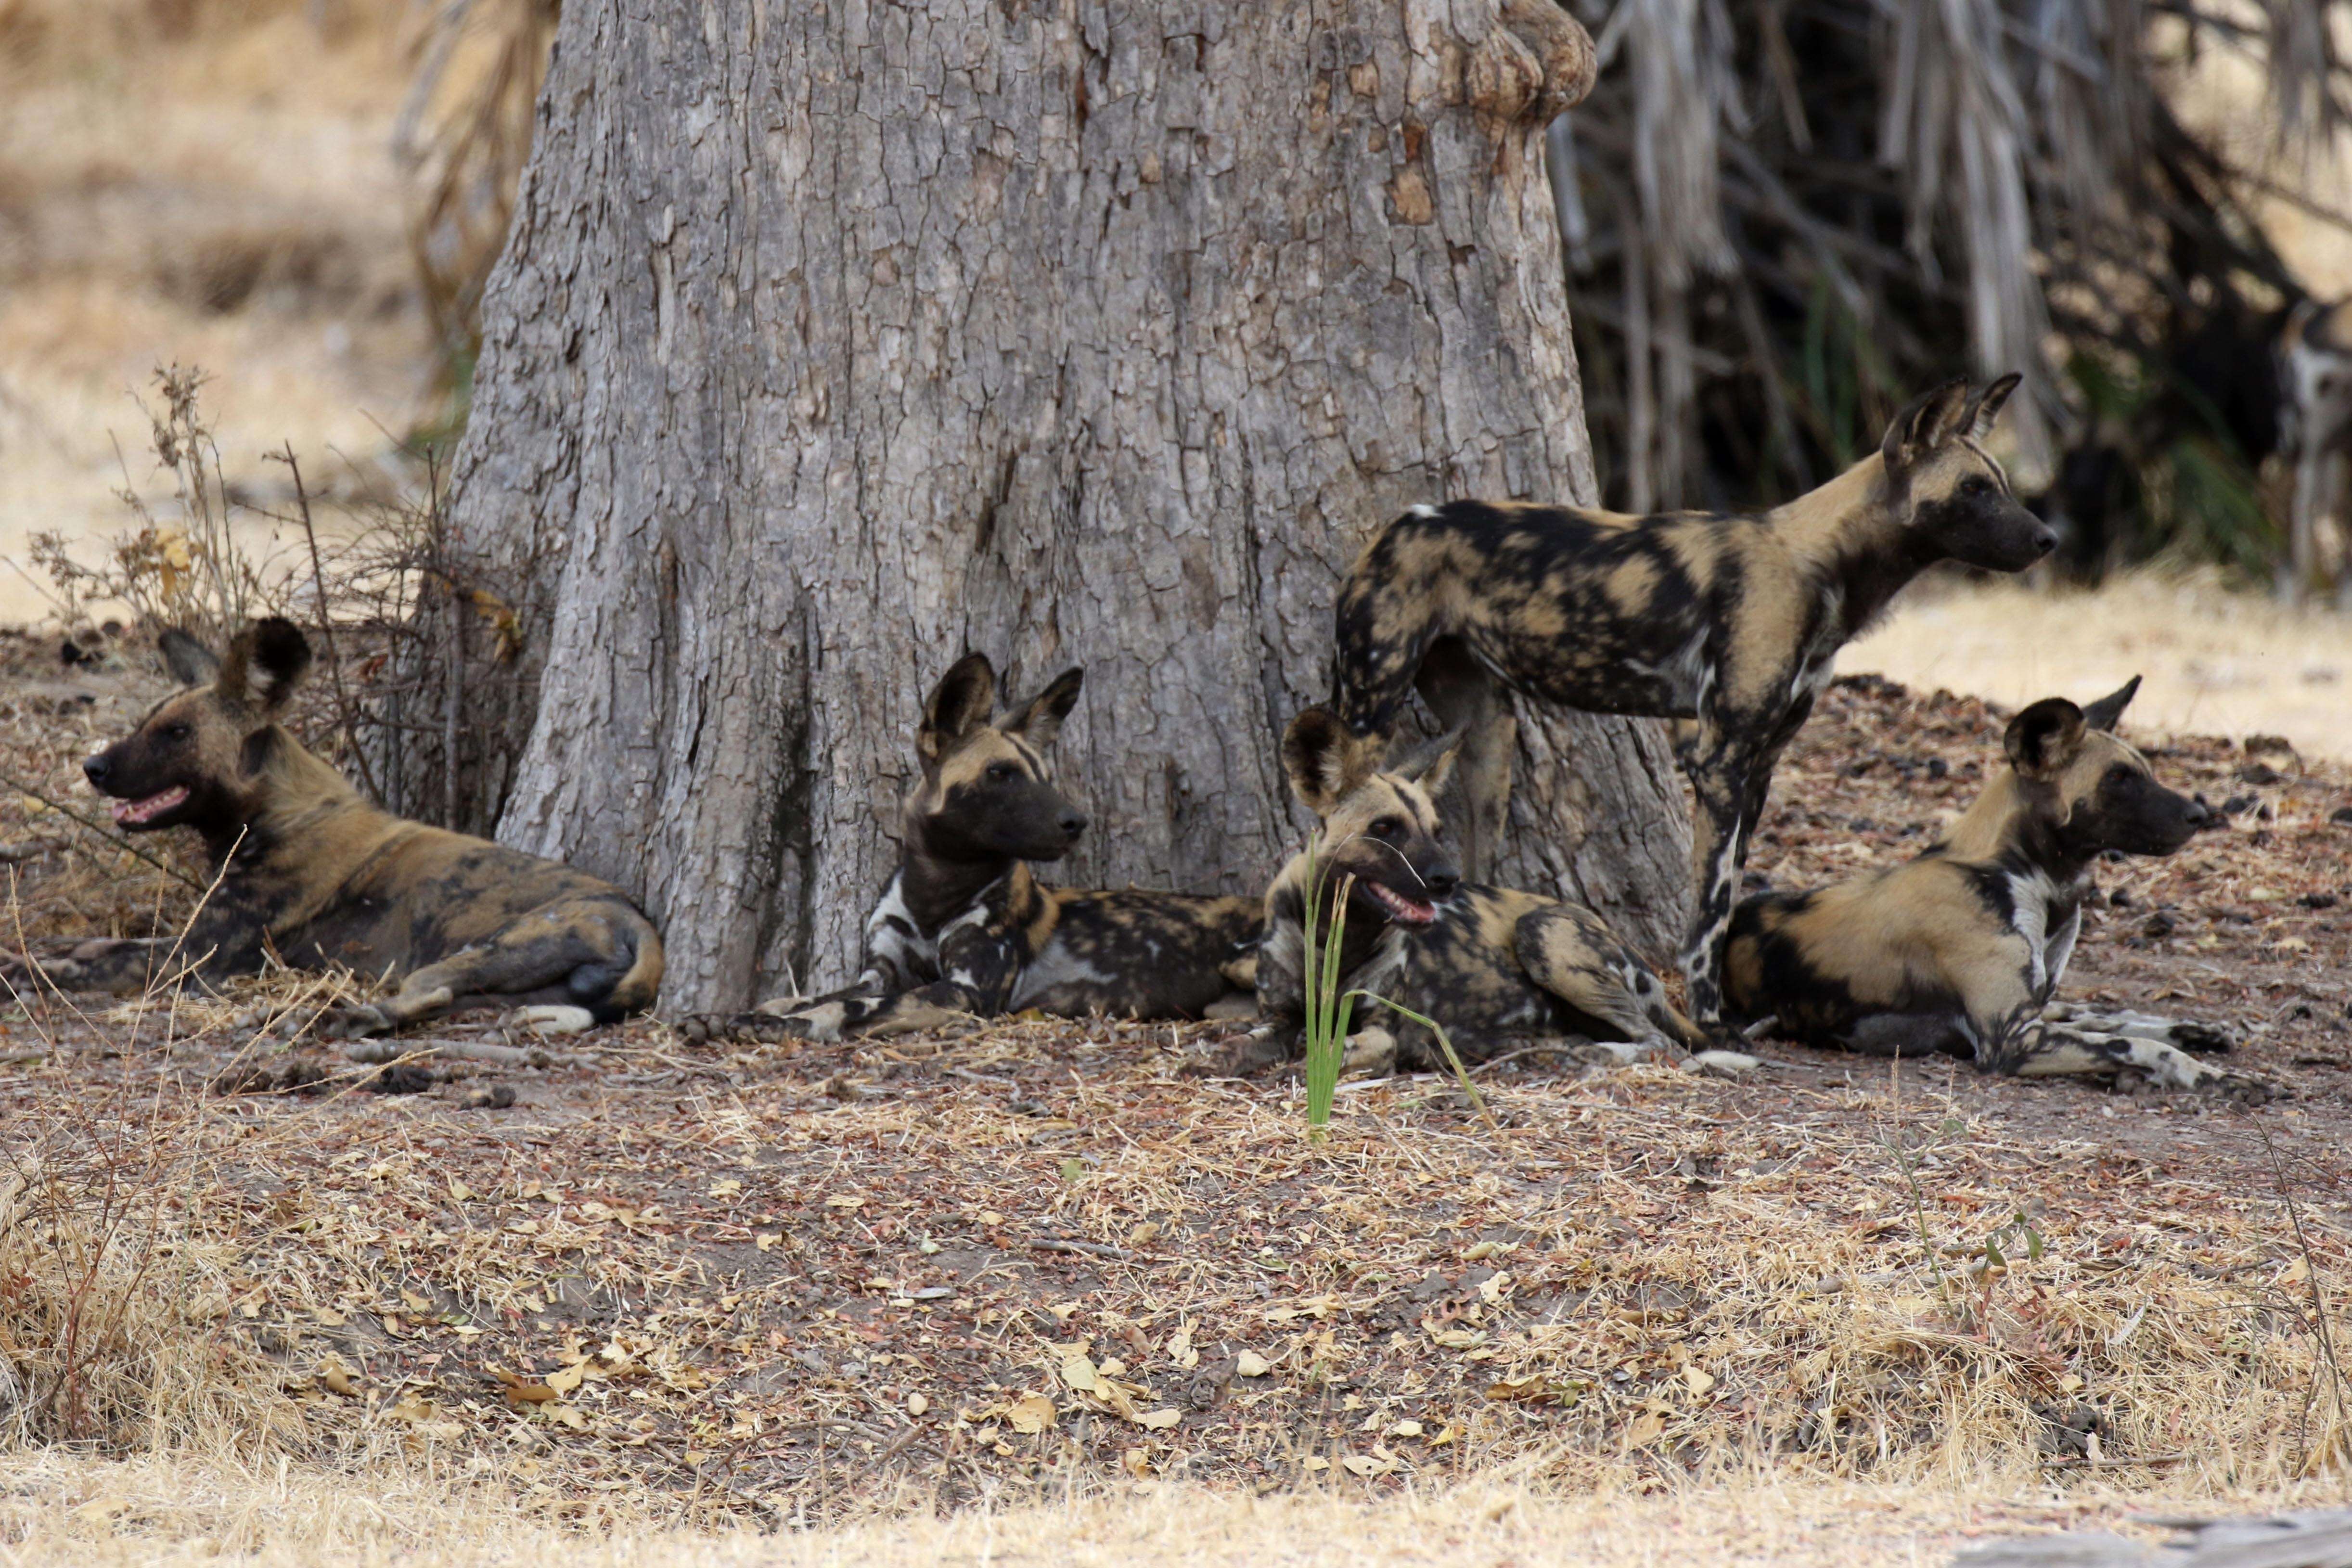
{"x":1323,"y":758}
{"x":960,"y":703}
{"x":1039,"y":720}
{"x":266,"y":662}
{"x":2103,"y":714}
{"x":1430,"y":763}
{"x":277,"y":657}
{"x":190,"y":661}
{"x":2044,"y":738}
{"x":1985,"y":407}
{"x":1925,"y":425}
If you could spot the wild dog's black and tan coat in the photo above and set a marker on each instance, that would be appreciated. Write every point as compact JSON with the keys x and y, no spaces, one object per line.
{"x":1961,"y":950}
{"x":310,"y":872}
{"x":1492,"y":965}
{"x":1729,"y":623}
{"x":966,"y":928}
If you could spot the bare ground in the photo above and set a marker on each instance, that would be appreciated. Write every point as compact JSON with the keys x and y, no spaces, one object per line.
{"x":779,"y":1285}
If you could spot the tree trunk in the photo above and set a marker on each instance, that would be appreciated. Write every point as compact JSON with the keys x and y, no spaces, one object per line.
{"x":834,"y":340}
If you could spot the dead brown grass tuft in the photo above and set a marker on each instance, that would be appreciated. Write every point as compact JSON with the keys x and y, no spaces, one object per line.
{"x":114,"y":1292}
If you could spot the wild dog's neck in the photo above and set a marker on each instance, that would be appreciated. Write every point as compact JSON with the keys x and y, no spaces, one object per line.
{"x":1850,"y":533}
{"x":2009,"y":825}
{"x":937,"y":887}
{"x":294,"y":787}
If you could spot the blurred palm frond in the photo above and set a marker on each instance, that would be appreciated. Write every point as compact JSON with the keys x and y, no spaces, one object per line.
{"x":462,"y":138}
{"x":1784,"y":217}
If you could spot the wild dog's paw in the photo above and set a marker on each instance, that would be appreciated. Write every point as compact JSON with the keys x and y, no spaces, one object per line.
{"x":1370,"y":1053}
{"x":550,"y":1019}
{"x":1729,"y":1065}
{"x":2240,"y":1089}
{"x":355,"y":1021}
{"x":821,"y":1024}
{"x":1234,"y":1007}
{"x":1606,"y":1054}
{"x":291,"y":1075}
{"x":1239,"y":1055}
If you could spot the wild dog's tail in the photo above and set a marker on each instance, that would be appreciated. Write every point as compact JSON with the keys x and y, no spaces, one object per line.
{"x":612,"y":995}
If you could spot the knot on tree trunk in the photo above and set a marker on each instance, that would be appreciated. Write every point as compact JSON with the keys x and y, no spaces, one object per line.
{"x":1539,"y":63}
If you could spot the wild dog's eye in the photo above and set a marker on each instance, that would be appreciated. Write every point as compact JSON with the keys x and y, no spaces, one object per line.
{"x":177,"y":731}
{"x":1387,"y":827}
{"x":2119,"y":773}
{"x":1002,"y":773}
{"x":1975,"y":485}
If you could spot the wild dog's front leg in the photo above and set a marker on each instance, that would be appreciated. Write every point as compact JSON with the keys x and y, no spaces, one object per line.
{"x":120,"y":966}
{"x":1568,"y":953}
{"x":1758,"y":788}
{"x":1718,"y":774}
{"x":2069,"y":1050}
{"x":1465,"y":698}
{"x":220,"y":942}
{"x":977,"y":965}
{"x":2007,"y":1011}
{"x":2181,"y":1033}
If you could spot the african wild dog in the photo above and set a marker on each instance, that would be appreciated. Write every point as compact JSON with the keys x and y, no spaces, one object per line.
{"x":965,"y":927}
{"x":1960,"y":950}
{"x":1728,"y":623}
{"x":311,"y":873}
{"x":1489,"y":965}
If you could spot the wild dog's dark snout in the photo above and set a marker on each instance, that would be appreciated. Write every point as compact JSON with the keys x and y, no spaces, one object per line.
{"x":97,"y":769}
{"x":2202,"y":815}
{"x":1440,"y":878}
{"x":1073,"y":823}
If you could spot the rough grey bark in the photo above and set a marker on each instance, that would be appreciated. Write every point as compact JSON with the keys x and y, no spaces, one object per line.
{"x":834,"y":340}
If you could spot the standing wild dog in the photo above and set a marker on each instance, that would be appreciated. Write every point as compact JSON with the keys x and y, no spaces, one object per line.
{"x":310,"y":872}
{"x":1489,"y":965}
{"x":965,"y":928}
{"x":1960,"y":950}
{"x":1729,"y":623}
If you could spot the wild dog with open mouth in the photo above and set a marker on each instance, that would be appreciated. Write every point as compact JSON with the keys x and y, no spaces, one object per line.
{"x":965,"y":927}
{"x":1489,"y":965}
{"x":310,"y":871}
{"x":1729,"y":625}
{"x":1960,"y":950}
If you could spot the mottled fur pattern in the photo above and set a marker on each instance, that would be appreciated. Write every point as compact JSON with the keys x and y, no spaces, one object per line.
{"x":1728,"y":625}
{"x":313,"y":874}
{"x":1494,"y":966}
{"x":965,"y":927}
{"x":1962,"y":949}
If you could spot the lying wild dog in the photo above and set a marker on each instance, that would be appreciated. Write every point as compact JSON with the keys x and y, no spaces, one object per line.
{"x":1489,"y":965}
{"x":311,"y":873}
{"x":1960,"y":950}
{"x":1729,"y":624}
{"x":965,"y":927}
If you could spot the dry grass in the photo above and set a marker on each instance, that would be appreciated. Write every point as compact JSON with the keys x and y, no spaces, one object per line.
{"x":2216,"y":662}
{"x":97,"y":1515}
{"x":680,"y":1288}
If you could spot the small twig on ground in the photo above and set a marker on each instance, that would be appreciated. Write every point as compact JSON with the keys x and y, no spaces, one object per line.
{"x":1086,"y":1248}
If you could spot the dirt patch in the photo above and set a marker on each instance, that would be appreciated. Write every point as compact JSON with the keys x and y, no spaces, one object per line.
{"x":791,"y":1282}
